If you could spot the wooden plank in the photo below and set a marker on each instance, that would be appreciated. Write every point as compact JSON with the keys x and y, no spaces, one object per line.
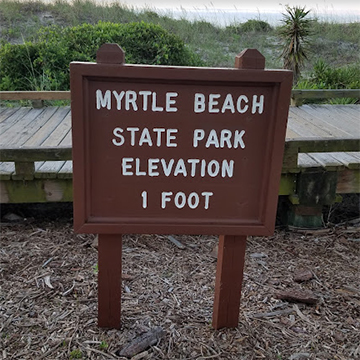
{"x":49,"y":170}
{"x":12,"y":120}
{"x":351,"y":114}
{"x":325,"y":93}
{"x":303,"y":125}
{"x":315,"y":117}
{"x":327,"y":161}
{"x":35,"y":154}
{"x":35,"y":95}
{"x":59,"y":133}
{"x":228,"y":283}
{"x":306,"y":145}
{"x":348,"y":159}
{"x":329,"y":115}
{"x":19,"y":133}
{"x":7,"y":112}
{"x":353,"y":110}
{"x":109,"y":280}
{"x":6,"y":170}
{"x":56,"y":115}
{"x":66,"y":171}
{"x":347,"y":113}
{"x":291,"y":134}
{"x":306,"y":161}
{"x":66,"y":141}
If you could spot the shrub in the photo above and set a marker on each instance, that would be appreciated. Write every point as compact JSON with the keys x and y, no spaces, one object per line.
{"x":326,"y":77}
{"x":46,"y":63}
{"x":252,"y":25}
{"x":18,"y":69}
{"x":255,"y":26}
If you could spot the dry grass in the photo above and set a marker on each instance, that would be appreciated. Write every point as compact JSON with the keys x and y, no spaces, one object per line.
{"x":48,"y":296}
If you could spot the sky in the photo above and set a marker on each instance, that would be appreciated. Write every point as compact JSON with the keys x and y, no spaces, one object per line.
{"x":329,"y":6}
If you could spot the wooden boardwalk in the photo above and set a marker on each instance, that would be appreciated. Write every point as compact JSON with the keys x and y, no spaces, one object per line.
{"x":321,"y":159}
{"x":51,"y":127}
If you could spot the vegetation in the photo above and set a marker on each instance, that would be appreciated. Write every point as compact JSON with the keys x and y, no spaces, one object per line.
{"x":324,"y":76}
{"x":44,"y":64}
{"x":294,"y":35}
{"x":38,"y":40}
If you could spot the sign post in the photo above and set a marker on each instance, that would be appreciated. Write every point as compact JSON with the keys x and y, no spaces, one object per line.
{"x":177,"y":150}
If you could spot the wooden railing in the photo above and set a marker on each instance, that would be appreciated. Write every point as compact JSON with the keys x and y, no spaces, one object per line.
{"x":297,"y":96}
{"x":37,"y":97}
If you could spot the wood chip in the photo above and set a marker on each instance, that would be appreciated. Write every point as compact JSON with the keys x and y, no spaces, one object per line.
{"x":293,"y":295}
{"x":142,"y":342}
{"x":303,"y":275}
{"x":176,"y":242}
{"x":47,"y":282}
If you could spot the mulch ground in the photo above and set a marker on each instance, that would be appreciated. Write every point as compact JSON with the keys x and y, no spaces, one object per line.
{"x":48,"y":296}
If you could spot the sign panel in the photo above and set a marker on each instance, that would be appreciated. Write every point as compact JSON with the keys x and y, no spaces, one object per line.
{"x":176,"y":149}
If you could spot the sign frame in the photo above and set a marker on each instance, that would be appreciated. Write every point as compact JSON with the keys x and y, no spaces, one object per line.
{"x":231,"y":253}
{"x":110,"y":69}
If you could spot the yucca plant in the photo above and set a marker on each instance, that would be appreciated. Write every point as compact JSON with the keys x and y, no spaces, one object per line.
{"x":294,"y":34}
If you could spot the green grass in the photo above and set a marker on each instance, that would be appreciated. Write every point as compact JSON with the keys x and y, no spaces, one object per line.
{"x":337,"y":43}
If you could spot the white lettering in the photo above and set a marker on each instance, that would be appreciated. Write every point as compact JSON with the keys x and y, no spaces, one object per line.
{"x":227,"y":168}
{"x":130,"y":98}
{"x":132,"y":130}
{"x":170,"y":136}
{"x":207,"y":195}
{"x":145,"y":94}
{"x":238,"y":139}
{"x":228,"y":104}
{"x":212,"y":139}
{"x":199,"y":103}
{"x":199,"y":134}
{"x":180,"y":168}
{"x":154,"y":106}
{"x":138,"y":172}
{"x":158,"y":132}
{"x":153,"y":167}
{"x":240,"y":109}
{"x":225,"y":137}
{"x":167,"y":167}
{"x":165,"y":197}
{"x":103,"y":101}
{"x":117,"y":132}
{"x":145,"y":137}
{"x":180,"y":200}
{"x":170,"y":101}
{"x":144,"y":202}
{"x":118,"y":98}
{"x":258,"y":104}
{"x":213,"y":168}
{"x":193,"y":200}
{"x":193,"y":163}
{"x":125,"y":166}
{"x":213,"y":102}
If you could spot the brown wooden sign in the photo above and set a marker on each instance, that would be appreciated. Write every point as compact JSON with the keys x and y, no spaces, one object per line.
{"x":177,"y":149}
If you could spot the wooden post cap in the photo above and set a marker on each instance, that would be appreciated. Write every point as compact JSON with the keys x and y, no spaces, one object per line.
{"x":250,"y":59}
{"x":110,"y":54}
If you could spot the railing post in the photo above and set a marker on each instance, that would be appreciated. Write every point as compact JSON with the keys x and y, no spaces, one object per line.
{"x":24,"y":170}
